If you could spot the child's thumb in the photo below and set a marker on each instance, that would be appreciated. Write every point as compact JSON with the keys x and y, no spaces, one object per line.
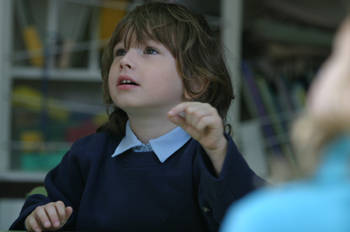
{"x":69,"y":211}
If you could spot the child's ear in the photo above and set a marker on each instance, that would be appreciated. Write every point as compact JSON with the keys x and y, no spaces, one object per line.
{"x":198,"y":87}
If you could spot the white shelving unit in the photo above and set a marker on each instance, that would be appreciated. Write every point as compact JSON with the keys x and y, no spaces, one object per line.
{"x":13,"y":70}
{"x":5,"y":91}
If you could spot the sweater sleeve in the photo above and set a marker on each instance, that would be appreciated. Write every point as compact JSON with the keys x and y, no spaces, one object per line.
{"x":216,"y":194}
{"x":61,"y":183}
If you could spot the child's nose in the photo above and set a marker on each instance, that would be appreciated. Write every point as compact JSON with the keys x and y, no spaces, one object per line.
{"x":128,"y":61}
{"x":125,"y":65}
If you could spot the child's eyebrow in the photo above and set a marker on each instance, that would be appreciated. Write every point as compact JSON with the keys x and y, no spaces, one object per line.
{"x":151,"y":41}
{"x":133,"y":41}
{"x":119,"y":44}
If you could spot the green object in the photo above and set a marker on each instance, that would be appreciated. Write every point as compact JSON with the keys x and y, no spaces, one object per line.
{"x":40,"y":161}
{"x":37,"y":190}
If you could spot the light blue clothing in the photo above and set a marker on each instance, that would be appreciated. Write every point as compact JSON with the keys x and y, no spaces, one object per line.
{"x":163,"y":146}
{"x":319,"y":204}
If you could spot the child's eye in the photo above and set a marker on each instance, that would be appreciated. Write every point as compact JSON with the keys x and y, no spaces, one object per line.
{"x":120,"y":52}
{"x":150,"y":51}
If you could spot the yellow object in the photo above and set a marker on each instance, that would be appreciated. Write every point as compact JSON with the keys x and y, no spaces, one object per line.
{"x":100,"y":118}
{"x":29,"y":98}
{"x":30,"y":140}
{"x":111,"y":13}
{"x":33,"y":45}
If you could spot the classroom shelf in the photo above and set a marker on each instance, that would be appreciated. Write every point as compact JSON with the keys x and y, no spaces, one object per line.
{"x":52,"y":96}
{"x":72,"y":74}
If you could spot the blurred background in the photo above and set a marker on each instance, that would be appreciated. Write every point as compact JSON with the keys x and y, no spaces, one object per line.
{"x":50,"y":84}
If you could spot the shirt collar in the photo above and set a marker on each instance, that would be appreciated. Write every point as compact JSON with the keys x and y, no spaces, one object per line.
{"x":163,"y":146}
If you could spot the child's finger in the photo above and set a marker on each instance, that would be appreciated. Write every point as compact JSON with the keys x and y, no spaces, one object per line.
{"x":177,"y":115}
{"x":198,"y":118}
{"x":42,"y":216}
{"x":207,"y":122}
{"x":61,"y":211}
{"x":195,"y":112}
{"x":53,"y":215}
{"x":191,"y":111}
{"x":181,"y":108}
{"x":69,"y":211}
{"x":182,"y":115}
{"x":181,"y":122}
{"x":32,"y":224}
{"x":204,"y":116}
{"x":178,"y":120}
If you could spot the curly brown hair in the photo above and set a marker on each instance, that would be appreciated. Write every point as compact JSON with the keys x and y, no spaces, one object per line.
{"x":198,"y":53}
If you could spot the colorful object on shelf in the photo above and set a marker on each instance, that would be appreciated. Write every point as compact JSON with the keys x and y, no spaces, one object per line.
{"x":112,"y":12}
{"x":30,"y":34}
{"x":36,"y":154}
{"x":30,"y":98}
{"x":30,"y":140}
{"x":85,"y":128}
{"x":100,"y":118}
{"x":40,"y":161}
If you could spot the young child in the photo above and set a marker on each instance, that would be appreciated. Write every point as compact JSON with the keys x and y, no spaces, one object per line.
{"x":320,"y":201}
{"x":163,"y":161}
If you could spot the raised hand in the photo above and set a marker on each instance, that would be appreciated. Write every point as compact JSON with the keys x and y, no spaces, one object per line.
{"x":49,"y":217}
{"x":329,"y":95}
{"x":203,"y":123}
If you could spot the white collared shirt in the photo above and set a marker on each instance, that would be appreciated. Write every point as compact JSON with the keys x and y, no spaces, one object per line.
{"x":163,"y":146}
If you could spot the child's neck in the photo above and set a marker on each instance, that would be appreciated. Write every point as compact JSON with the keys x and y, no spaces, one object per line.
{"x":150,"y":128}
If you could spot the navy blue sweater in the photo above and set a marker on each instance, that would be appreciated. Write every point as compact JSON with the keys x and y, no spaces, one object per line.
{"x":135,"y":192}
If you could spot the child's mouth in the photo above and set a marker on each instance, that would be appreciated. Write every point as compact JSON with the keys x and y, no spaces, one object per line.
{"x":127,"y":82}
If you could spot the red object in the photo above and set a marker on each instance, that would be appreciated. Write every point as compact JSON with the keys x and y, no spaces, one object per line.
{"x":85,"y":128}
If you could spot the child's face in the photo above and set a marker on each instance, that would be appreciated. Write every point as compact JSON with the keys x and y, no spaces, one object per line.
{"x":144,"y":77}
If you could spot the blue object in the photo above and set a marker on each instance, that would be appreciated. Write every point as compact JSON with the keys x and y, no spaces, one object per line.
{"x":320,"y":204}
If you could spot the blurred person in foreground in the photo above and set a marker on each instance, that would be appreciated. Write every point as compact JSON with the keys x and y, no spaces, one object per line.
{"x":320,"y":201}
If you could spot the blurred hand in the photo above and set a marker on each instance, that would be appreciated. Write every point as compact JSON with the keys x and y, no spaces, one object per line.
{"x":49,"y":217}
{"x":329,"y":95}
